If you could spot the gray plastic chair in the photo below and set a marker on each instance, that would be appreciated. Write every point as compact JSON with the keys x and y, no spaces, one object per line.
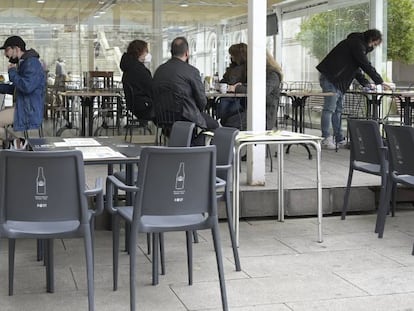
{"x":176,"y":191}
{"x":51,"y":207}
{"x":181,"y":135}
{"x":369,"y":155}
{"x":224,"y":138}
{"x":400,"y":142}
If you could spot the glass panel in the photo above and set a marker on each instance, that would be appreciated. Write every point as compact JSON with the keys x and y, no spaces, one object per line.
{"x":307,"y":39}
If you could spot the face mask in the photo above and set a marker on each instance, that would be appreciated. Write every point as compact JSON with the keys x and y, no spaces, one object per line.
{"x":148,"y":58}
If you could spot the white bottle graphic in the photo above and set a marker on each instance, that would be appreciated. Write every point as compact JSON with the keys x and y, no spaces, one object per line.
{"x":40,"y":182}
{"x":180,"y":177}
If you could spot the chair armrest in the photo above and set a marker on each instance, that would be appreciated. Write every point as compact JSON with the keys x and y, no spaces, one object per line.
{"x":223,"y":167}
{"x":98,"y":193}
{"x":220,"y":182}
{"x":111,"y":183}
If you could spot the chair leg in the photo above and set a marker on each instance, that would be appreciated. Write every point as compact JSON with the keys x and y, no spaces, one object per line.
{"x":50,"y":266}
{"x":12,"y":247}
{"x":231,"y":231}
{"x":219,"y":260}
{"x":346,"y":197}
{"x":39,"y":246}
{"x":162,"y":252}
{"x":269,"y":155}
{"x":195,"y":236}
{"x":149,"y":243}
{"x":89,"y":269}
{"x":132,"y":265}
{"x":115,"y":250}
{"x":155,"y":242}
{"x":188,"y":235}
{"x":383,"y":209}
{"x":394,"y":199}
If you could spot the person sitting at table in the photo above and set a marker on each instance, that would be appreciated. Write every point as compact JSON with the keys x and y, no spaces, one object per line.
{"x":185,"y":80}
{"x":229,"y":109}
{"x":138,"y":78}
{"x":274,"y":77}
{"x":28,"y":85}
{"x":346,"y":61}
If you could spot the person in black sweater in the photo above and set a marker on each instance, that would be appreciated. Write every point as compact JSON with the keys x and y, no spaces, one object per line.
{"x":137,"y":79}
{"x":346,"y":61}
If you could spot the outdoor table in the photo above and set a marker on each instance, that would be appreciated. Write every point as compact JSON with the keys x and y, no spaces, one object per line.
{"x":280,"y":138}
{"x":374,"y":98}
{"x":87,"y":97}
{"x":213,"y":97}
{"x":298,"y":110}
{"x":96,"y":151}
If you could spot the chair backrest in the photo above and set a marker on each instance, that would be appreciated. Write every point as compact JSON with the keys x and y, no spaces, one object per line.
{"x":354,"y":105}
{"x":224,"y":138}
{"x":400,"y":142}
{"x":99,"y":79}
{"x":176,"y":181}
{"x":167,"y":107}
{"x":366,"y":141}
{"x":42,"y":186}
{"x":181,"y":134}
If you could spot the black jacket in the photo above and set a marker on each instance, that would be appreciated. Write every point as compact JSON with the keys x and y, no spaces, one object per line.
{"x":345,"y":62}
{"x":139,"y":78}
{"x":189,"y":90}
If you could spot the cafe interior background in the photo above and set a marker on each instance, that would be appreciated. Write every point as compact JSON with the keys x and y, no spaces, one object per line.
{"x":93,"y":34}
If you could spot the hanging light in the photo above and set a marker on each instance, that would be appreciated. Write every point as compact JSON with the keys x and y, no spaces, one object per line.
{"x":40,"y":1}
{"x":184,"y":4}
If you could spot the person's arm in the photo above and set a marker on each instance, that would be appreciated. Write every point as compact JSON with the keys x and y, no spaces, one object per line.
{"x":6,"y":88}
{"x":198,"y":90}
{"x":27,"y":80}
{"x":358,"y":51}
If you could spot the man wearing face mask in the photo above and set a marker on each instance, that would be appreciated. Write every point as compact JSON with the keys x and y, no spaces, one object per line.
{"x":28,"y":84}
{"x":346,"y":61}
{"x":185,"y":81}
{"x":137,"y":79}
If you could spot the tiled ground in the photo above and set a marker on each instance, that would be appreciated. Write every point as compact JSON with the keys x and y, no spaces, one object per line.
{"x":283,"y":268}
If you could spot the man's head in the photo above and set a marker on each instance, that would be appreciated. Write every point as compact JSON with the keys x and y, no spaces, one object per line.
{"x":14,"y":47}
{"x":179,"y":48}
{"x":373,"y":37}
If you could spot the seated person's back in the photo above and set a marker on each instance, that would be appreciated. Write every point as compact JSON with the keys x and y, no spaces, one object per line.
{"x":184,"y":81}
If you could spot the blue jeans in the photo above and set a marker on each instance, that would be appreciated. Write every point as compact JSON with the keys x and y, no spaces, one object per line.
{"x":332,"y":110}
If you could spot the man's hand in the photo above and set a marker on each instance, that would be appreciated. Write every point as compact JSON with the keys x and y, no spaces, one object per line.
{"x":232,"y":88}
{"x":388,"y":86}
{"x":12,"y":66}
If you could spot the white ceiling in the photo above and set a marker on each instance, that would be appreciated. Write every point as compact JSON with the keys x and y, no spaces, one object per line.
{"x":137,"y":11}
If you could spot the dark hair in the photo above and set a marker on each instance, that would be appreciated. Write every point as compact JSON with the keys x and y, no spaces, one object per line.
{"x":238,"y":52}
{"x":179,"y":46}
{"x":137,"y":47}
{"x":372,"y":35}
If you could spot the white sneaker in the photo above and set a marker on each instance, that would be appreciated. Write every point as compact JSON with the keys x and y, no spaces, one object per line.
{"x":328,"y":144}
{"x":342,"y":144}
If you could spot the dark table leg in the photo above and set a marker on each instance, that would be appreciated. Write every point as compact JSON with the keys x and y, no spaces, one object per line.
{"x":298,"y":125}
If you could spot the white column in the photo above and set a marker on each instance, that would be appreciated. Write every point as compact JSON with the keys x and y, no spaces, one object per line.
{"x":377,"y":21}
{"x":156,"y":46}
{"x":256,"y":81}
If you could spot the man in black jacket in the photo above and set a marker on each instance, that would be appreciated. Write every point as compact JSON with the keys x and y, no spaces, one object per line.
{"x":185,"y":82}
{"x":346,"y":61}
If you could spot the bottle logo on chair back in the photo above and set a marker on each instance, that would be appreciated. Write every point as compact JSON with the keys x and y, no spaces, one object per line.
{"x":40,"y":182}
{"x":41,"y":196}
{"x":179,"y":184}
{"x":180,"y":177}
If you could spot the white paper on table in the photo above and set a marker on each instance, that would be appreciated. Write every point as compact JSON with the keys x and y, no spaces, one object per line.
{"x":101,"y":152}
{"x":73,"y":142}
